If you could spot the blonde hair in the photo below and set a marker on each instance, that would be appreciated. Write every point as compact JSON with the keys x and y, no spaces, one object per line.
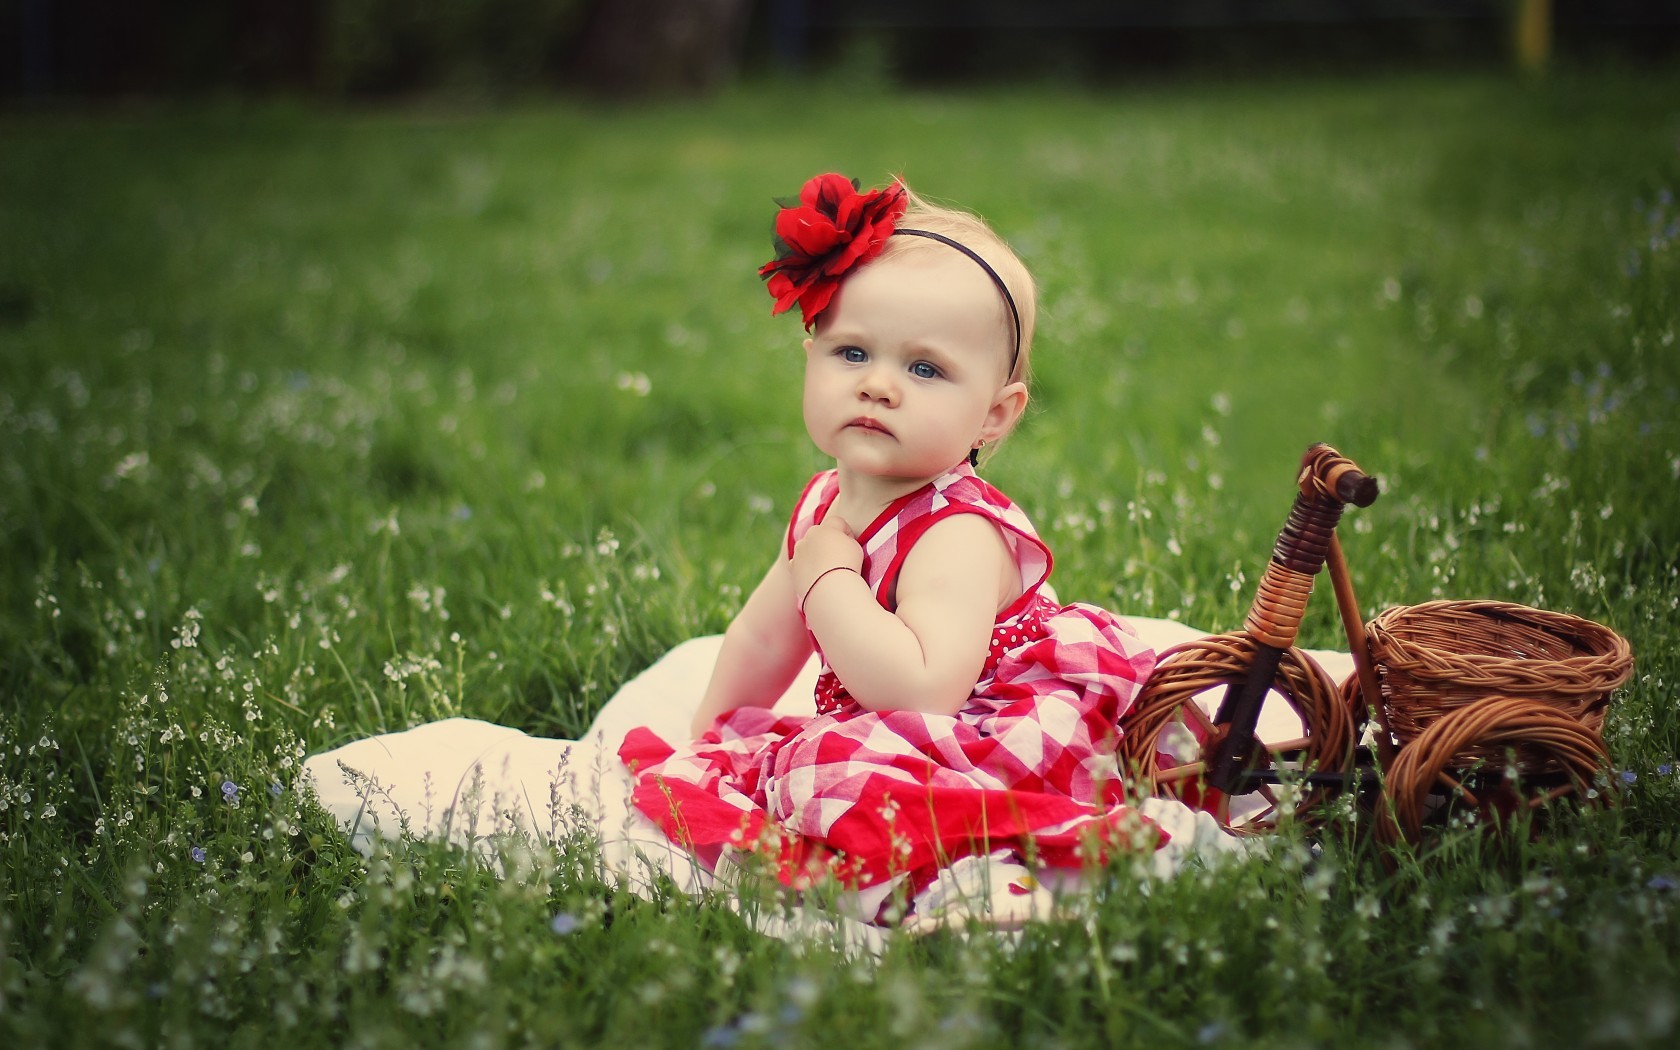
{"x":972,"y":232}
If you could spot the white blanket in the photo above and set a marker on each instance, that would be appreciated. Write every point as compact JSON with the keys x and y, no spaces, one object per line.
{"x":465,"y":781}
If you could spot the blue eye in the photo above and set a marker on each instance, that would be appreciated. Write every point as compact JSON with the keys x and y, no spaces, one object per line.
{"x":923,"y":370}
{"x":853,"y":354}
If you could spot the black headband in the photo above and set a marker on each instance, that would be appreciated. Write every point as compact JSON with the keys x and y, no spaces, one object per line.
{"x":1014,"y":314}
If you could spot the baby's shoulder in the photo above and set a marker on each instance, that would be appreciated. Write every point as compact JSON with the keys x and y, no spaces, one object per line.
{"x":968,"y":531}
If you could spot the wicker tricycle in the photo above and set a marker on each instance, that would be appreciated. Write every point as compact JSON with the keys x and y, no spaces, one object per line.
{"x":1485,"y":704}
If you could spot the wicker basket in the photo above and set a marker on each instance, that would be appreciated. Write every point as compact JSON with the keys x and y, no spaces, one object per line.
{"x":1438,"y":657}
{"x":1557,"y":754}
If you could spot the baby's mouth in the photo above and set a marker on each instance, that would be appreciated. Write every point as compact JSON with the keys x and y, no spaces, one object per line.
{"x":866,"y":423}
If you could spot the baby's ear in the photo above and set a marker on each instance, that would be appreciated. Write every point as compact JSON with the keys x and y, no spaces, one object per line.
{"x":807,"y":344}
{"x":1006,"y":411}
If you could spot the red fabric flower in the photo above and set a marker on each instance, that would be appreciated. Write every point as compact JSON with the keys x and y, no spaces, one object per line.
{"x":830,"y":231}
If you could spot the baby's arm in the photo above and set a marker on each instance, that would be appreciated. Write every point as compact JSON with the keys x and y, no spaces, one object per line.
{"x":763,"y":650}
{"x":926,"y":655}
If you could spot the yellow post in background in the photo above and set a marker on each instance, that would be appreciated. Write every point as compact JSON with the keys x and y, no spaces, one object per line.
{"x":1532,"y":34}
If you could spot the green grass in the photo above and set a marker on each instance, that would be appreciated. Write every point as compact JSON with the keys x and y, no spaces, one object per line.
{"x":314,"y":425}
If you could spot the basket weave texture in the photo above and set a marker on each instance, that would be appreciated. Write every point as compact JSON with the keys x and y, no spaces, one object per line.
{"x":1438,"y":657}
{"x":1185,"y":671}
{"x":1535,"y":737}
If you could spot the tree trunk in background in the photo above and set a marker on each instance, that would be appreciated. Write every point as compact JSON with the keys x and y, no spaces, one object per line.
{"x":1533,"y":34}
{"x":649,"y":47}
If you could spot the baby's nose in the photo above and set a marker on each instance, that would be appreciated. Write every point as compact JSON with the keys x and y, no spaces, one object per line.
{"x":878,"y":384}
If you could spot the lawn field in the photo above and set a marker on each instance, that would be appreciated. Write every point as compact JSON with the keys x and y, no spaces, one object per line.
{"x":321,"y":423}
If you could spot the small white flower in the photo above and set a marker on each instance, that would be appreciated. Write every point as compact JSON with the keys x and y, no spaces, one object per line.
{"x":132,"y":464}
{"x":606,"y":544}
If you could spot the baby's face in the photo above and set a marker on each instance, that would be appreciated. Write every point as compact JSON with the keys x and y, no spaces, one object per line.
{"x":905,"y":371}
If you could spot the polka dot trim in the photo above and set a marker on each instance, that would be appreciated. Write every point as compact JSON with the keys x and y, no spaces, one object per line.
{"x":831,"y":695}
{"x":1023,"y":629}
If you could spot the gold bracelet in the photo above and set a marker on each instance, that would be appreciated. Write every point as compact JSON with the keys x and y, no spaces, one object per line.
{"x":819,"y":579}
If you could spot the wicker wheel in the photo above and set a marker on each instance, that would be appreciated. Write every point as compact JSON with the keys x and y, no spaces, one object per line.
{"x":1438,"y":657}
{"x":1168,"y":700}
{"x":1554,"y":753}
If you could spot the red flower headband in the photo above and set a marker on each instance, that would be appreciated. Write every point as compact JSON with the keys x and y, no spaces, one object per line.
{"x":831,"y":230}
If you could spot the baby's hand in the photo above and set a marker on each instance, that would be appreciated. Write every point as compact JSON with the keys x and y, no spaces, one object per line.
{"x":828,"y":545}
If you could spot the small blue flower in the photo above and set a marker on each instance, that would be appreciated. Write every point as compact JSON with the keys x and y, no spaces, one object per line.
{"x":1665,"y":769}
{"x":462,"y":512}
{"x":720,"y":1037}
{"x":564,"y":923}
{"x":197,"y":854}
{"x":1629,"y":776}
{"x":230,"y":790}
{"x":276,"y":789}
{"x":1662,"y":883}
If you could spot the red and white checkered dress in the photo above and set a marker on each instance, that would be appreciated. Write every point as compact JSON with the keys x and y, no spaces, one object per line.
{"x":1027,"y":763}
